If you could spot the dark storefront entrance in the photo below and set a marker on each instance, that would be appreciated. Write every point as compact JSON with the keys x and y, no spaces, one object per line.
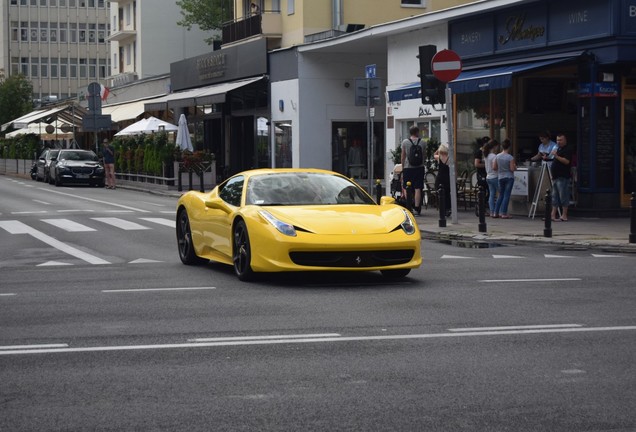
{"x":560,"y":67}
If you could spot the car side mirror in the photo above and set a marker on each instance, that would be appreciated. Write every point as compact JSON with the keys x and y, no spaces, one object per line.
{"x":386,"y":200}
{"x":53,"y":159}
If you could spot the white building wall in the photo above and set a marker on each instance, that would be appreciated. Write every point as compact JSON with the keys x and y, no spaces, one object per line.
{"x":287,"y":92}
{"x":326,"y":99}
{"x":403,"y":69}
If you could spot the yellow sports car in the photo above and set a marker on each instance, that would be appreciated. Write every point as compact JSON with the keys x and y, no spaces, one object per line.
{"x":274,"y":220}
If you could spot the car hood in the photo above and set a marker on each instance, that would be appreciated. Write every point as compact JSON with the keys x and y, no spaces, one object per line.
{"x":73,"y":163}
{"x":341,"y":219}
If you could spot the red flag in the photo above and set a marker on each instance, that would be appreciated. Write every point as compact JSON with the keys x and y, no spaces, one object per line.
{"x":104,"y":92}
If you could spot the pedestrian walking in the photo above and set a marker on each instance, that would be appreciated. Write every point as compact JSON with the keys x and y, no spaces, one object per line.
{"x":413,"y":165}
{"x":490,"y":149}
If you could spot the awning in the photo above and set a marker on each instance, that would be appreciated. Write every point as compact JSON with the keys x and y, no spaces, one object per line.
{"x":200,"y":96}
{"x":125,"y":111}
{"x":411,"y":91}
{"x":70,"y":113}
{"x":496,"y":77}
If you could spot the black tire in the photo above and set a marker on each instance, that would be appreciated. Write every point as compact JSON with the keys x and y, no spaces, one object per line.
{"x":395,"y":274}
{"x":184,"y":241}
{"x":242,"y":252}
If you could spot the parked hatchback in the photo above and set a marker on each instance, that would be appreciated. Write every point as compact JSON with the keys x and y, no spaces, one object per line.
{"x":76,"y":166}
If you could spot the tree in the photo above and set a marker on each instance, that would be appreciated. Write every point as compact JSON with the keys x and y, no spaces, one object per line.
{"x":15,"y":97}
{"x":209,"y":15}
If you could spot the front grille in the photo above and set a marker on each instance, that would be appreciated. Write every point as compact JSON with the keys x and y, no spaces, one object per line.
{"x":352,"y":259}
{"x":82,"y":170}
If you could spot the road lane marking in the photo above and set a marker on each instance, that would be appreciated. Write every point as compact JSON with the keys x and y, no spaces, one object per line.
{"x":17,"y":227}
{"x":41,"y":202}
{"x":157,"y":289}
{"x":68,"y":225}
{"x":97,"y":201}
{"x":153,"y":204}
{"x":7,"y":294}
{"x":455,"y":257}
{"x":558,"y":256}
{"x":121,"y":223}
{"x":473,"y":329}
{"x":53,"y":263}
{"x":29,"y":347}
{"x":313,"y":340}
{"x":531,"y":280}
{"x":144,"y":261}
{"x":247,"y":338}
{"x":506,"y":256}
{"x":29,"y":212}
{"x":76,"y":211}
{"x":162,"y":221}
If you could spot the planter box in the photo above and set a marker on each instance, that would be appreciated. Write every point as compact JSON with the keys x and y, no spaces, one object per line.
{"x":209,"y":178}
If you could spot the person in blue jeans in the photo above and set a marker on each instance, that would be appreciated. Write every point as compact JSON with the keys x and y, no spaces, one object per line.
{"x":490,"y":150}
{"x":505,"y":166}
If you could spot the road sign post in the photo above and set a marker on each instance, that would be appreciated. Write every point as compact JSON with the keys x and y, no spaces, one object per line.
{"x":446,"y":66}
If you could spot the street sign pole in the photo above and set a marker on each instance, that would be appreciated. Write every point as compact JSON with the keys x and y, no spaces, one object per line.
{"x":451,"y":153}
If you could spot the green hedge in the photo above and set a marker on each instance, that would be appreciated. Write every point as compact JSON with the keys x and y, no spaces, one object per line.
{"x":22,"y":147}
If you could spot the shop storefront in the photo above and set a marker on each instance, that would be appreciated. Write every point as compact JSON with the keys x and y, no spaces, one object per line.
{"x":563,"y":67}
{"x":225,"y":97}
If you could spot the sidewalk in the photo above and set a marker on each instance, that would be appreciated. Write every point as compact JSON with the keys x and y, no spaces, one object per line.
{"x":608,"y":234}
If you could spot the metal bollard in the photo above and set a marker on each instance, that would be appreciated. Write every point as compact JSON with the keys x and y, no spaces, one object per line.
{"x":481,"y":203}
{"x":179,"y":182}
{"x":442,"y":206}
{"x":632,"y":216}
{"x":409,"y":196}
{"x":378,"y":190}
{"x":547,"y":229}
{"x":201,"y":179}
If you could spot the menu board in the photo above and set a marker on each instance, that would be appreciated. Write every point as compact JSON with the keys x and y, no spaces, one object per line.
{"x":605,"y":145}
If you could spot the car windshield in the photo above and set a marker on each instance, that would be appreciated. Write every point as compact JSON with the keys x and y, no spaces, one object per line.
{"x":78,"y":155}
{"x":303,"y":189}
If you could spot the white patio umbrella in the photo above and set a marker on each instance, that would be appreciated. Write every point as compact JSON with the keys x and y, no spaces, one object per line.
{"x":183,"y":135}
{"x":147,"y":126}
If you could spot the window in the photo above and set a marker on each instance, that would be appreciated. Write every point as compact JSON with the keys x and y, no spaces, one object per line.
{"x":63,"y":71}
{"x":232,"y":191}
{"x":129,"y":54}
{"x":54,"y":65}
{"x":291,"y":7}
{"x":63,"y":32}
{"x":44,"y":67}
{"x":413,"y":3}
{"x":73,"y":68}
{"x":92,"y":68}
{"x":83,"y":68}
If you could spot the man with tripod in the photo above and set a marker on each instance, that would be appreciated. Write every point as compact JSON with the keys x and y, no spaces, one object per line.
{"x":561,"y":176}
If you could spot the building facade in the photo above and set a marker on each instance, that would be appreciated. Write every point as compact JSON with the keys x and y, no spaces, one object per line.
{"x":59,"y":45}
{"x":144,"y":39}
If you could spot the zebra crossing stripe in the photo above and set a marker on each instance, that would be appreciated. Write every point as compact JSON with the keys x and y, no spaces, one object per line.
{"x":121,"y":223}
{"x":162,"y":221}
{"x":68,"y":225}
{"x":17,"y":227}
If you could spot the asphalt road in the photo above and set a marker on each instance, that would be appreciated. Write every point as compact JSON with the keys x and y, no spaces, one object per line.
{"x":102,"y":328}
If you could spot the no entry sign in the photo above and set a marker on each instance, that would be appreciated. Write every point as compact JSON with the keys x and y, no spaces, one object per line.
{"x":446,"y":65}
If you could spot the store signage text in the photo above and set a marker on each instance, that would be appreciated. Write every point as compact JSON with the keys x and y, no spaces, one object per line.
{"x":212,"y":66}
{"x":516,"y":30}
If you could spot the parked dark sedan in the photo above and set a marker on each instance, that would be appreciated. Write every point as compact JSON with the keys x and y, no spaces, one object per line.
{"x":76,"y":166}
{"x":43,"y":164}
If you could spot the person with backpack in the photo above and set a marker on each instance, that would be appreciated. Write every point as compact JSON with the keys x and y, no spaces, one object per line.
{"x":413,"y":165}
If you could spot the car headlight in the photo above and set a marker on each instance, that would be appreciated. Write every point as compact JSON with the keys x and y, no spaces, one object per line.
{"x":63,"y":168}
{"x":99,"y":168}
{"x":282,"y":227}
{"x":408,"y":225}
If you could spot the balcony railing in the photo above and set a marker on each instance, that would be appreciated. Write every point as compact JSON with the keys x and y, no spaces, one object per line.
{"x":267,"y":24}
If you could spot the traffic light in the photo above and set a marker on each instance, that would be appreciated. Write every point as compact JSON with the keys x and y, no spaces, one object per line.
{"x":433,"y":90}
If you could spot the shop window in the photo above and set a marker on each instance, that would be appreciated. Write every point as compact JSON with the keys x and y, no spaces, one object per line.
{"x":479,"y":114}
{"x":263,"y":153}
{"x":413,"y":3}
{"x":283,"y":131}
